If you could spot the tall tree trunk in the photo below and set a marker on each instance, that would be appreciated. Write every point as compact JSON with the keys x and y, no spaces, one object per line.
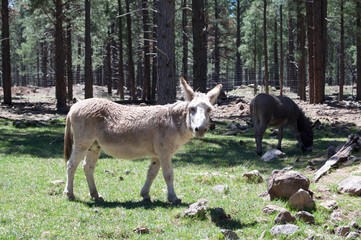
{"x":342,"y":51}
{"x":108,"y":61}
{"x":358,"y":46}
{"x":320,"y":43}
{"x":238,"y":74}
{"x":88,"y":54}
{"x":255,"y":86}
{"x":60,"y":86}
{"x":276,"y":76}
{"x":131,"y":75}
{"x":154,"y":51}
{"x":146,"y":50}
{"x":291,"y":68}
{"x":310,"y":43}
{"x":216,"y":43}
{"x":78,"y":78}
{"x":185,"y":28}
{"x":199,"y":23}
{"x":121,"y":54}
{"x":265,"y":48}
{"x":301,"y":42}
{"x":166,"y":52}
{"x":5,"y":47}
{"x":281,"y":51}
{"x":69,"y":60}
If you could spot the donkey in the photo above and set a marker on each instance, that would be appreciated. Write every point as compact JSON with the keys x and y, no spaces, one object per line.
{"x":267,"y":110}
{"x":130,"y":132}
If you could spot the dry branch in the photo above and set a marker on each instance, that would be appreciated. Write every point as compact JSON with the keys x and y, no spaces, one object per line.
{"x":353,"y":143}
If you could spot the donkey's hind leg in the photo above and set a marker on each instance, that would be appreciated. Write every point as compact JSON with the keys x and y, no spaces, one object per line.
{"x":259,"y":130}
{"x":89,"y":165}
{"x":152,"y":173}
{"x":78,"y":154}
{"x":280,"y":137}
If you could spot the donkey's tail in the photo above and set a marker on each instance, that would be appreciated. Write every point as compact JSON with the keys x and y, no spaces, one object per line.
{"x":68,"y":139}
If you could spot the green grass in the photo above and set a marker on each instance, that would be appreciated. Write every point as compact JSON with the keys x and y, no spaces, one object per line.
{"x":32,"y":207}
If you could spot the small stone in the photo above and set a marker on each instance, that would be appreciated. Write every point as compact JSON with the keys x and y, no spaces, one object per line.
{"x":221,"y":188}
{"x":301,"y":200}
{"x":342,"y":231}
{"x":229,"y":234}
{"x":269,"y":209}
{"x":253,"y":176}
{"x":329,"y":204}
{"x":284,"y":217}
{"x":352,"y":235}
{"x":286,"y":229}
{"x":58,"y":182}
{"x":305,"y":216}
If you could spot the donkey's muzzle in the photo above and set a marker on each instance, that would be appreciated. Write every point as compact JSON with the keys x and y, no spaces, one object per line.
{"x":200,"y":131}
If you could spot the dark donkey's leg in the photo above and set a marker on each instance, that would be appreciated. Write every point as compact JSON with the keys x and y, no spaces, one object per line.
{"x":259,"y":130}
{"x":280,"y":137}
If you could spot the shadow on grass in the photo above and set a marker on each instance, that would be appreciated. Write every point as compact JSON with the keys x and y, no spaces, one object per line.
{"x":132,"y":204}
{"x":223,"y":221}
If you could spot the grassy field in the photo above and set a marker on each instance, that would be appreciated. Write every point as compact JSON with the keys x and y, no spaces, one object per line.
{"x":32,"y":206}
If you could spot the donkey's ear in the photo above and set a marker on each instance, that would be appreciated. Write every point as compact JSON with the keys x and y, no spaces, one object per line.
{"x":188,"y":91}
{"x":316,"y":124}
{"x":213,"y":94}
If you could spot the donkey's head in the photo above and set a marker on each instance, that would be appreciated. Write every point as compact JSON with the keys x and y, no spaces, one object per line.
{"x":305,"y":128}
{"x":199,"y":107}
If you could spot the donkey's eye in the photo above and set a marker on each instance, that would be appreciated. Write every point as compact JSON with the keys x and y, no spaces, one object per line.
{"x":192,"y":110}
{"x":208,"y":110}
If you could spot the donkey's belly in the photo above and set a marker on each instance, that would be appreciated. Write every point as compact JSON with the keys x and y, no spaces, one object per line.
{"x":276,"y":122}
{"x":128,"y":151}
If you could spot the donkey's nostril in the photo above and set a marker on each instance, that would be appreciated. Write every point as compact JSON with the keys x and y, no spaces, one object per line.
{"x":196,"y":129}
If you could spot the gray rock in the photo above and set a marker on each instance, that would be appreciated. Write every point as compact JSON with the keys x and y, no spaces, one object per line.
{"x":351,"y":185}
{"x":283,"y":184}
{"x":301,"y":200}
{"x":197,"y":209}
{"x":229,"y":234}
{"x":272,"y":154}
{"x":353,"y":235}
{"x":286,"y":229}
{"x":284,"y":217}
{"x":269,"y":209}
{"x":305,"y":216}
{"x":342,"y":231}
{"x":253,"y":176}
{"x":221,"y":188}
{"x":329,"y":204}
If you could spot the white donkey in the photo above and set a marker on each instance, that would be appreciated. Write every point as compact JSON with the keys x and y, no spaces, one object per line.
{"x":130,"y":132}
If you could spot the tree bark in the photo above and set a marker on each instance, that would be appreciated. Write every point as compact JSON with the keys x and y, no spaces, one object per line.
{"x":291,"y":68}
{"x":239,"y":73}
{"x":131,"y":74}
{"x":121,"y":54}
{"x":185,"y":28}
{"x":342,"y":51}
{"x":310,"y":43}
{"x":166,"y":52}
{"x":281,"y":51}
{"x":69,"y":60}
{"x":301,"y":43}
{"x":199,"y":24}
{"x":265,"y":48}
{"x":108,"y":62}
{"x":358,"y":47}
{"x":88,"y":54}
{"x":5,"y":47}
{"x":146,"y":50}
{"x":216,"y":44}
{"x":60,"y":86}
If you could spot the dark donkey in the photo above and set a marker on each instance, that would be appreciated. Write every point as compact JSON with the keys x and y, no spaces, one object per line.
{"x":267,"y":110}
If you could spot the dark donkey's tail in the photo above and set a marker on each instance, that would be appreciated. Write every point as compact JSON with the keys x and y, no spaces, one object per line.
{"x":68,"y":140}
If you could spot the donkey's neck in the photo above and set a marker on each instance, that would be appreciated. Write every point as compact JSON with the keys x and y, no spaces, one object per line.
{"x":178,"y":115}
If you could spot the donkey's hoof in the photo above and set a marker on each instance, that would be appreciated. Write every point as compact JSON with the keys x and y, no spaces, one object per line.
{"x":70,"y":197}
{"x":98,"y":198}
{"x":176,"y":202}
{"x":146,"y":200}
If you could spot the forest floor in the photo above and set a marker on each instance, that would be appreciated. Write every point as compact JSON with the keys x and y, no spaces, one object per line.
{"x":40,"y":104}
{"x":31,"y":103}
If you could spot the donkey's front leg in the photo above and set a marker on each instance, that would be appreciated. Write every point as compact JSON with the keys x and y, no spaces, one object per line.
{"x":280,"y":137}
{"x":168,"y":175}
{"x":89,"y":168}
{"x":152,"y":173}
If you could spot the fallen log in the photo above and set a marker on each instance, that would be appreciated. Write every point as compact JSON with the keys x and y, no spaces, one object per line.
{"x":353,"y":143}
